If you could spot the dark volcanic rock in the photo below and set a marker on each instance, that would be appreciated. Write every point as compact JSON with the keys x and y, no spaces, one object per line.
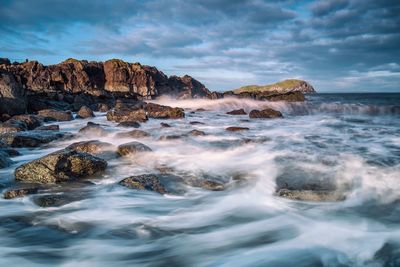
{"x":237,"y":112}
{"x":133,"y":124}
{"x":62,"y":165}
{"x":267,"y":113}
{"x":237,"y":129}
{"x":132,"y":148}
{"x":85,"y":112}
{"x":56,"y":115}
{"x":163,"y":112}
{"x":133,"y":134}
{"x":92,"y":128}
{"x":20,"y":192}
{"x":144,"y":182}
{"x":33,"y":138}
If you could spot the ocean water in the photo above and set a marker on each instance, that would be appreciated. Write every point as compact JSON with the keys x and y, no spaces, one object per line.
{"x":351,"y":139}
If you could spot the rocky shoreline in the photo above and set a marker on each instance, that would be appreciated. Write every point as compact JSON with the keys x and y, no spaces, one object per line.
{"x":33,"y":95}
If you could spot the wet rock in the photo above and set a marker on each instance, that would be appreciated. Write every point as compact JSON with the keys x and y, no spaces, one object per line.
{"x":133,"y":134}
{"x":60,"y":166}
{"x":10,"y":152}
{"x":127,"y":114}
{"x":102,"y":107}
{"x":56,"y":115}
{"x":57,"y":200}
{"x":33,"y":138}
{"x":96,"y":148}
{"x":209,"y":185}
{"x":200,"y":110}
{"x":237,"y":112}
{"x":165,"y":125}
{"x":133,"y":124}
{"x":12,"y":94}
{"x":311,"y":195}
{"x":12,"y":126}
{"x":148,"y":182}
{"x":20,"y":192}
{"x":5,"y":160}
{"x":163,"y":112}
{"x":197,"y":123}
{"x":196,"y":133}
{"x":236,"y":129}
{"x":267,"y":113}
{"x":53,"y":127}
{"x":132,"y":148}
{"x":85,"y":112}
{"x":170,"y":137}
{"x":92,"y":128}
{"x":31,"y":121}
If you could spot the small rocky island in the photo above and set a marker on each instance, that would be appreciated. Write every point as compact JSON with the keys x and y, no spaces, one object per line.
{"x":35,"y":99}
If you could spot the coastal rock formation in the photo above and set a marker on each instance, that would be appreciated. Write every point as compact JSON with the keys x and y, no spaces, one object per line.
{"x":237,"y":112}
{"x":291,"y":85}
{"x":148,"y":182}
{"x":132,"y":148}
{"x":55,"y":115}
{"x":85,"y":112}
{"x":12,"y":94}
{"x":33,"y":138}
{"x":60,"y":166}
{"x":133,"y":134}
{"x":156,"y":111}
{"x":95,"y":148}
{"x":267,"y":113}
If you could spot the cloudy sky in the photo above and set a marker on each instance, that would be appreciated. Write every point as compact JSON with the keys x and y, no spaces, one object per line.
{"x":337,"y":45}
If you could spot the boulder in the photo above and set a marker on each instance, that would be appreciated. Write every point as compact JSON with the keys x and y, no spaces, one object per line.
{"x":95,"y":148}
{"x":237,"y":112}
{"x":31,"y":121}
{"x":5,"y":160}
{"x":170,"y":137}
{"x":12,"y":126}
{"x":60,"y":166}
{"x":267,"y":113}
{"x":53,"y":127}
{"x":20,"y":192}
{"x":148,"y":182}
{"x":94,"y":129}
{"x":133,"y":124}
{"x":33,"y":138}
{"x":133,"y":134}
{"x":127,"y":114}
{"x":57,"y":200}
{"x":132,"y":148}
{"x":156,"y":111}
{"x":55,"y":115}
{"x":85,"y":112}
{"x":236,"y":129}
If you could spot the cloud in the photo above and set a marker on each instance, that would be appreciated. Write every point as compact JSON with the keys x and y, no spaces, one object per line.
{"x":227,"y":43}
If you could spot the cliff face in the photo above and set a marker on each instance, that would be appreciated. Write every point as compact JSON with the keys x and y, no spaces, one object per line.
{"x":101,"y":79}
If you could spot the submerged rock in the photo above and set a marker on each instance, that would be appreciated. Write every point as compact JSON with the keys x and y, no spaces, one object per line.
{"x":53,"y":127}
{"x":5,"y":160}
{"x":56,"y":115}
{"x":197,"y":123}
{"x":12,"y":126}
{"x":148,"y":182}
{"x":237,"y":112}
{"x":165,"y":125}
{"x":31,"y":121}
{"x":267,"y":113}
{"x":20,"y":192}
{"x":85,"y":112}
{"x":57,"y":200}
{"x":33,"y":138}
{"x":311,"y":195}
{"x":196,"y":133}
{"x":95,"y":148}
{"x":92,"y":128}
{"x":170,"y":137}
{"x":133,"y":124}
{"x":236,"y":129}
{"x":60,"y":166}
{"x":133,"y":134}
{"x":132,"y":148}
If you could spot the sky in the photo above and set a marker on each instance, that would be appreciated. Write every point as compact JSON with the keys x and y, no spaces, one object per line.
{"x":336,"y":45}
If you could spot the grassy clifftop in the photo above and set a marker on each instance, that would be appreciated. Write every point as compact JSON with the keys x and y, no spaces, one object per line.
{"x":282,"y":86}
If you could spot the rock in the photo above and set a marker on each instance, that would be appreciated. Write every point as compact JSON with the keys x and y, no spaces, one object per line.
{"x":31,"y":121}
{"x":163,"y":112}
{"x":60,"y":166}
{"x":169,"y":137}
{"x":126,"y":114}
{"x":196,"y":133}
{"x":286,"y":86}
{"x":95,"y":148}
{"x":267,"y":113}
{"x":85,"y":112}
{"x":5,"y":61}
{"x":12,"y":126}
{"x":5,"y":161}
{"x":57,"y":200}
{"x":102,"y":107}
{"x":132,"y":148}
{"x":33,"y":138}
{"x":53,"y":127}
{"x":10,"y":152}
{"x":186,"y":87}
{"x":209,"y":185}
{"x":144,"y":182}
{"x":20,"y":192}
{"x":201,"y":110}
{"x":197,"y":123}
{"x":237,"y":112}
{"x":12,"y":94}
{"x":133,"y":134}
{"x":56,"y":115}
{"x":311,"y":195}
{"x":133,"y":124}
{"x":94,"y":129}
{"x":236,"y":129}
{"x":165,"y":125}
